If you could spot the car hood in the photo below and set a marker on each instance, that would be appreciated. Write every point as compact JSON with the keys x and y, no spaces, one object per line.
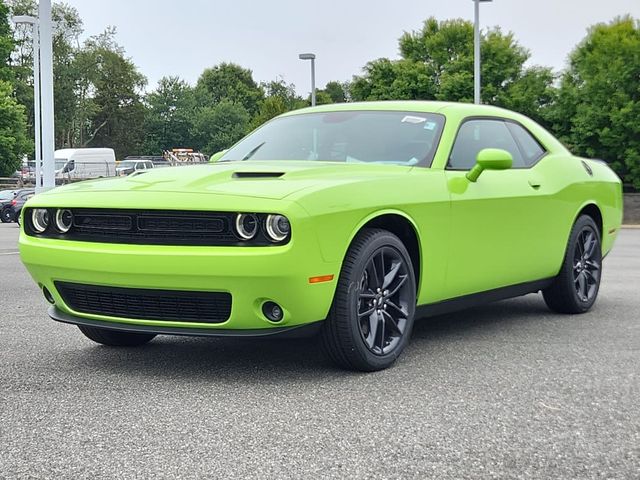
{"x":270,"y":180}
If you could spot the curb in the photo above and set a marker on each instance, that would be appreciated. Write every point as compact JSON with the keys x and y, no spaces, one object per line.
{"x":630,"y":227}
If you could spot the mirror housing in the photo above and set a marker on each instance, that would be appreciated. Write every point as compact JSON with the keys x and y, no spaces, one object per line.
{"x":490,"y":159}
{"x":216,"y":156}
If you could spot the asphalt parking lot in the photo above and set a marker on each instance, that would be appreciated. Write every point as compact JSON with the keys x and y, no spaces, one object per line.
{"x":507,"y":390}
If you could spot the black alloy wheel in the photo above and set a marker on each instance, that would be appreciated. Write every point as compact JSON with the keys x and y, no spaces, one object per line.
{"x":586,"y":265}
{"x":6,"y":216}
{"x":371,"y":317}
{"x":575,"y":288}
{"x":383,"y":301}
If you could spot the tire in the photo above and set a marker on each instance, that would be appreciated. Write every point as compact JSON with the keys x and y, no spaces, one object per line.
{"x":6,"y":216}
{"x":576,"y":287}
{"x":114,"y":338}
{"x":371,"y":318}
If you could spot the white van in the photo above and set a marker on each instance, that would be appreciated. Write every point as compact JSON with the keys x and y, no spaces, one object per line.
{"x":84,"y":163}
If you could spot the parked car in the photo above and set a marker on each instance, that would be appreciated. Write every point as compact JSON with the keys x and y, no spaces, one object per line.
{"x":127,"y":167}
{"x":84,"y":163}
{"x":350,"y":219}
{"x":10,"y":211}
{"x":7,"y":195}
{"x":157,"y":160}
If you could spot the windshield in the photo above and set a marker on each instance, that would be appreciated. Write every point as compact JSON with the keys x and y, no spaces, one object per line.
{"x":401,"y":138}
{"x":60,"y":163}
{"x":126,"y":164}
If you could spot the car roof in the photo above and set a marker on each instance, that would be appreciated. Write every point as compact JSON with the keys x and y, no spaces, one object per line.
{"x":425,"y":106}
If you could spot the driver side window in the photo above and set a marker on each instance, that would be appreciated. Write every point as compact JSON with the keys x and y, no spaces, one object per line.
{"x":476,"y":135}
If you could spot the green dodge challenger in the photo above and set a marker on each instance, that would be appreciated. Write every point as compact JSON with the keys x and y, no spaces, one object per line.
{"x":349,"y":220}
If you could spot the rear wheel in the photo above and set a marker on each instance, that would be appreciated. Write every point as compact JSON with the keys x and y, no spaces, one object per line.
{"x":575,"y":289}
{"x":371,"y":318}
{"x":6,"y":215}
{"x":114,"y":338}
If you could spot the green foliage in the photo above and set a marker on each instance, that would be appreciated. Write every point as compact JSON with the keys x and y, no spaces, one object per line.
{"x":231,"y":82}
{"x":13,"y":139}
{"x":599,"y":98}
{"x":437,"y":64}
{"x":280,"y":98}
{"x":67,"y":29}
{"x":337,"y":92}
{"x":219,"y":126}
{"x":170,"y":116}
{"x":110,"y":110}
{"x":6,"y":45}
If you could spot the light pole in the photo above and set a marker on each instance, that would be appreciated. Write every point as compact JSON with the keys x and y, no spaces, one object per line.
{"x":312,"y":57}
{"x":46,"y":103}
{"x":28,"y":20}
{"x":476,"y":50}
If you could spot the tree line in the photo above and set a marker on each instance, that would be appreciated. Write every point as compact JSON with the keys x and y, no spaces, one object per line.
{"x":101,"y":99}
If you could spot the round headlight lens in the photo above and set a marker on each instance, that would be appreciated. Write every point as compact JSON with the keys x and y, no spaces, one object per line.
{"x":278,"y":227}
{"x":64,"y":220}
{"x":246,"y":225}
{"x":40,"y":219}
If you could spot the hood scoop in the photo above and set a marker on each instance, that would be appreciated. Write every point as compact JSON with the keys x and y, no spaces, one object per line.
{"x":258,"y":174}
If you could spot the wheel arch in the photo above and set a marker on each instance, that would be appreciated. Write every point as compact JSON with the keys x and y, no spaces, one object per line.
{"x":592,"y":209}
{"x":403,"y":227}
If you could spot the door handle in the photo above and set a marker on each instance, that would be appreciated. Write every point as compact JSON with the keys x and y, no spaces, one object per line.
{"x":535,"y":184}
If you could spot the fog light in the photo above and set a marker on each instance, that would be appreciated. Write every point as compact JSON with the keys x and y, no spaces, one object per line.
{"x":272,"y":311}
{"x":48,"y":296}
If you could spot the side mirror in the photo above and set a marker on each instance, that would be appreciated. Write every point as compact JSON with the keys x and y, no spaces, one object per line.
{"x":490,"y":159}
{"x":217,"y":156}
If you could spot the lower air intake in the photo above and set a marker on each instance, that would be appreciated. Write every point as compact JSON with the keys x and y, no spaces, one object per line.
{"x":147,"y":304}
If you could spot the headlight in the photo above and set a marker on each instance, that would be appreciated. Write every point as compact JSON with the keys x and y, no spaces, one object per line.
{"x":278,"y":227}
{"x":246,"y":225}
{"x":64,"y":220}
{"x":40,"y":219}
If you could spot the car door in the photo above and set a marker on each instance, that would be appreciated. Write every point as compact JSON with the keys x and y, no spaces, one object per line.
{"x":498,"y":222}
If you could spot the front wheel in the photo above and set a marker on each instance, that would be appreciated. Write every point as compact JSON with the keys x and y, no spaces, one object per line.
{"x":114,"y":338}
{"x":575,"y":289}
{"x":371,"y":317}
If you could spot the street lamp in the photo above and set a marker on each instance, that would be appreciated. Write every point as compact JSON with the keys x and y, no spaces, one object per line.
{"x":33,"y":21}
{"x":476,"y":50}
{"x":312,"y":57}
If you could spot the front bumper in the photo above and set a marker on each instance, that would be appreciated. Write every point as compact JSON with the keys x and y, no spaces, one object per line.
{"x":252,"y":275}
{"x":296,"y":331}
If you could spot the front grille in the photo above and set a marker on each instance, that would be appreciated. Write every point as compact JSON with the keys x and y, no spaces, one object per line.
{"x":162,"y":227}
{"x":152,"y":227}
{"x":147,"y":304}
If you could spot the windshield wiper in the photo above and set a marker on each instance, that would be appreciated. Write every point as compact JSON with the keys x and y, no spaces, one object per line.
{"x":255,"y":149}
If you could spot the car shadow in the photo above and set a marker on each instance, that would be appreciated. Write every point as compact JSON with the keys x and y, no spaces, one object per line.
{"x":272,"y":360}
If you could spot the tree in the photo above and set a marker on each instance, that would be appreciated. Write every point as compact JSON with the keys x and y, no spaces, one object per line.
{"x":219,"y":126}
{"x":437,"y":64}
{"x":66,"y":31}
{"x":110,"y":112}
{"x":337,"y":92}
{"x":13,"y":127}
{"x":6,"y":45}
{"x":231,"y":82}
{"x":599,"y":99}
{"x":170,"y":116}
{"x":280,"y":98}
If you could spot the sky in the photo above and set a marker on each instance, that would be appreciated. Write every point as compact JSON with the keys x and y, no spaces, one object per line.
{"x":165,"y":37}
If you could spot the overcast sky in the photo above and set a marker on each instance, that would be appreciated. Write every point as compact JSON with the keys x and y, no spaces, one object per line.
{"x":168,"y":37}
